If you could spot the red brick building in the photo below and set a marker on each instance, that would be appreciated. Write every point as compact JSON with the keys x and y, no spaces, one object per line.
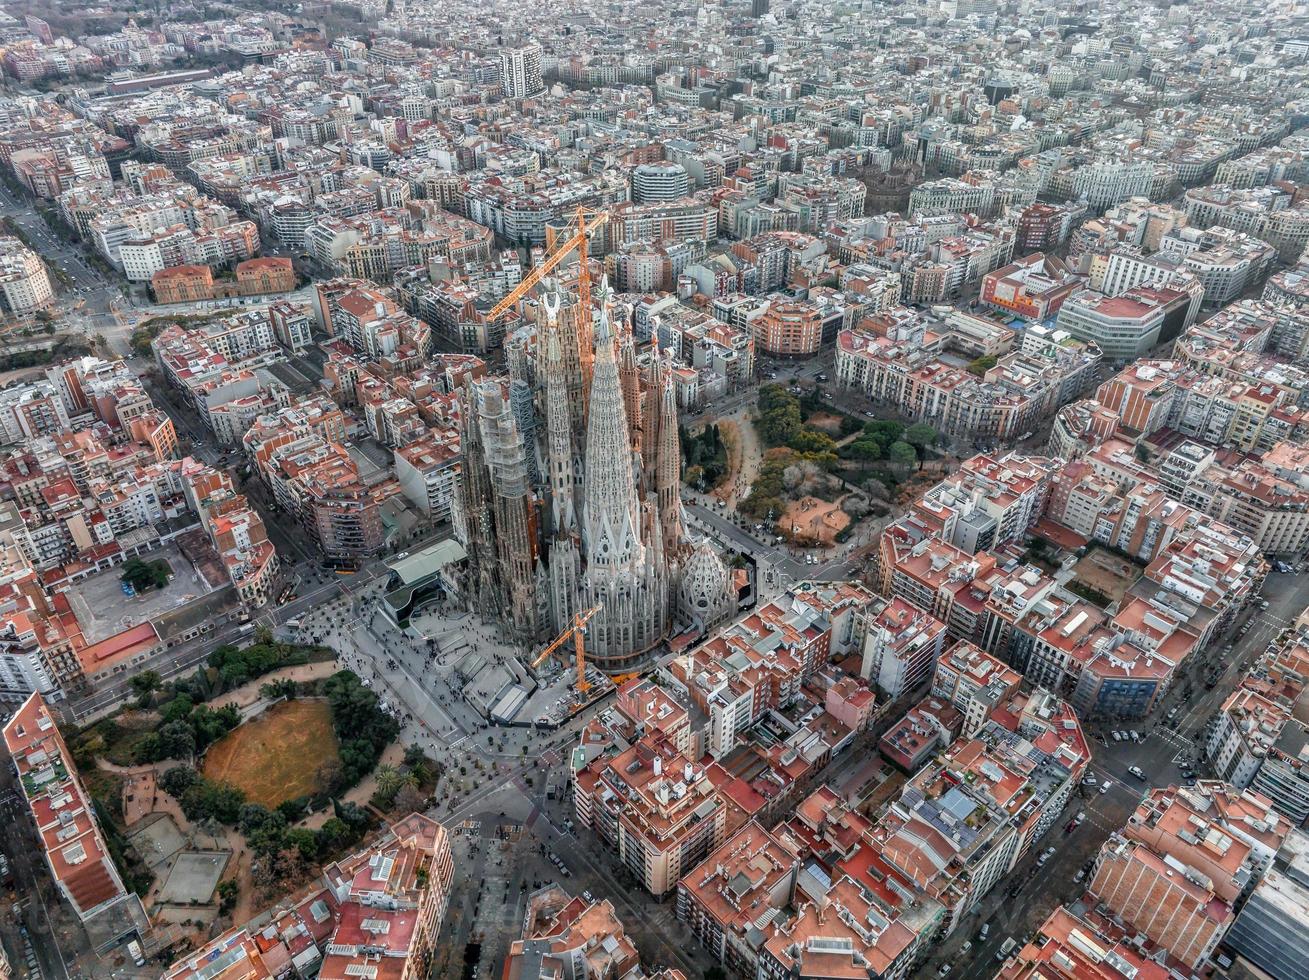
{"x":258,"y":277}
{"x":183,"y":284}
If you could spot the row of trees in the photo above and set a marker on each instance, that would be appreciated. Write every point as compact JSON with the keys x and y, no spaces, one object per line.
{"x":188,"y":725}
{"x":780,"y":419}
{"x":899,"y":445}
{"x":235,"y":666}
{"x":706,"y":457}
{"x":186,"y":730}
{"x":363,"y":729}
{"x":228,"y":667}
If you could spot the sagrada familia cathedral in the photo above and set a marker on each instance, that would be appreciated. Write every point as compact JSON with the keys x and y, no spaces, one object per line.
{"x":571,"y":490}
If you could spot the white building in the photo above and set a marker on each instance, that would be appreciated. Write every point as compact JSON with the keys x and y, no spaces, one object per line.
{"x":520,"y":71}
{"x":660,"y":182}
{"x":24,"y":280}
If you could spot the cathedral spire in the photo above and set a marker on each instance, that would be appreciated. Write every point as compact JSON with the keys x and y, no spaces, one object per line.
{"x":610,"y":519}
{"x":559,"y":426}
{"x":668,"y":468}
{"x":630,"y":376}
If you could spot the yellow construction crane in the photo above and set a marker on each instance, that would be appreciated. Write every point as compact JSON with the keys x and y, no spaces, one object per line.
{"x":575,"y":631}
{"x":558,"y":251}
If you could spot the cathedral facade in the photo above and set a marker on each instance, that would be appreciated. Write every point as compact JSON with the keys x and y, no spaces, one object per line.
{"x":571,"y":499}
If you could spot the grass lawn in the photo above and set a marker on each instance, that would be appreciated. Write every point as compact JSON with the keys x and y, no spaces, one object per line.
{"x":276,"y":756}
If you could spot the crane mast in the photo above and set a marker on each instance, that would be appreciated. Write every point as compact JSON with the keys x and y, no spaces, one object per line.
{"x":575,"y":631}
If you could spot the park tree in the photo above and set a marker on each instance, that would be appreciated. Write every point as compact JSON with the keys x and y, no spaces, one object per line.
{"x":410,"y":799}
{"x":979,"y":366}
{"x":252,"y":816}
{"x":294,"y":810}
{"x":812,"y":442}
{"x":148,"y":748}
{"x":145,"y":684}
{"x":178,"y":780}
{"x":902,"y":456}
{"x":227,"y":891}
{"x":414,"y":754}
{"x":143,"y":575}
{"x":334,"y":834}
{"x":304,"y":841}
{"x":176,"y":741}
{"x":920,"y":434}
{"x":267,"y":838}
{"x":178,"y":709}
{"x":779,"y":426}
{"x":865,"y":449}
{"x":779,"y":415}
{"x":389,"y":780}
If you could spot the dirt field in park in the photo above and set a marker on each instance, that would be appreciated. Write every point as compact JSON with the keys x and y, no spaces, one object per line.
{"x":1106,"y":572}
{"x":276,"y":756}
{"x":826,"y":422}
{"x":815,"y":521}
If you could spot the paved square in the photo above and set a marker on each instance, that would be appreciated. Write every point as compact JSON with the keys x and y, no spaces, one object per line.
{"x":102,"y":610}
{"x":157,"y":840}
{"x":194,"y":877}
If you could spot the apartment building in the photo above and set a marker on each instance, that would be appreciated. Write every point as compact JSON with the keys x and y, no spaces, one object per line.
{"x":974,"y":682}
{"x":1270,"y":932}
{"x":901,"y":645}
{"x":1174,"y":876}
{"x":428,"y":472}
{"x":1034,"y":287}
{"x":1066,"y":947}
{"x":1124,"y":326}
{"x":24,"y":281}
{"x":1008,"y":401}
{"x":183,"y":284}
{"x":1257,"y":739}
{"x":69,"y":837}
{"x":827,"y":901}
{"x":964,"y":820}
{"x":762,"y":660}
{"x":575,"y":937}
{"x":660,"y":812}
{"x":925,"y":728}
